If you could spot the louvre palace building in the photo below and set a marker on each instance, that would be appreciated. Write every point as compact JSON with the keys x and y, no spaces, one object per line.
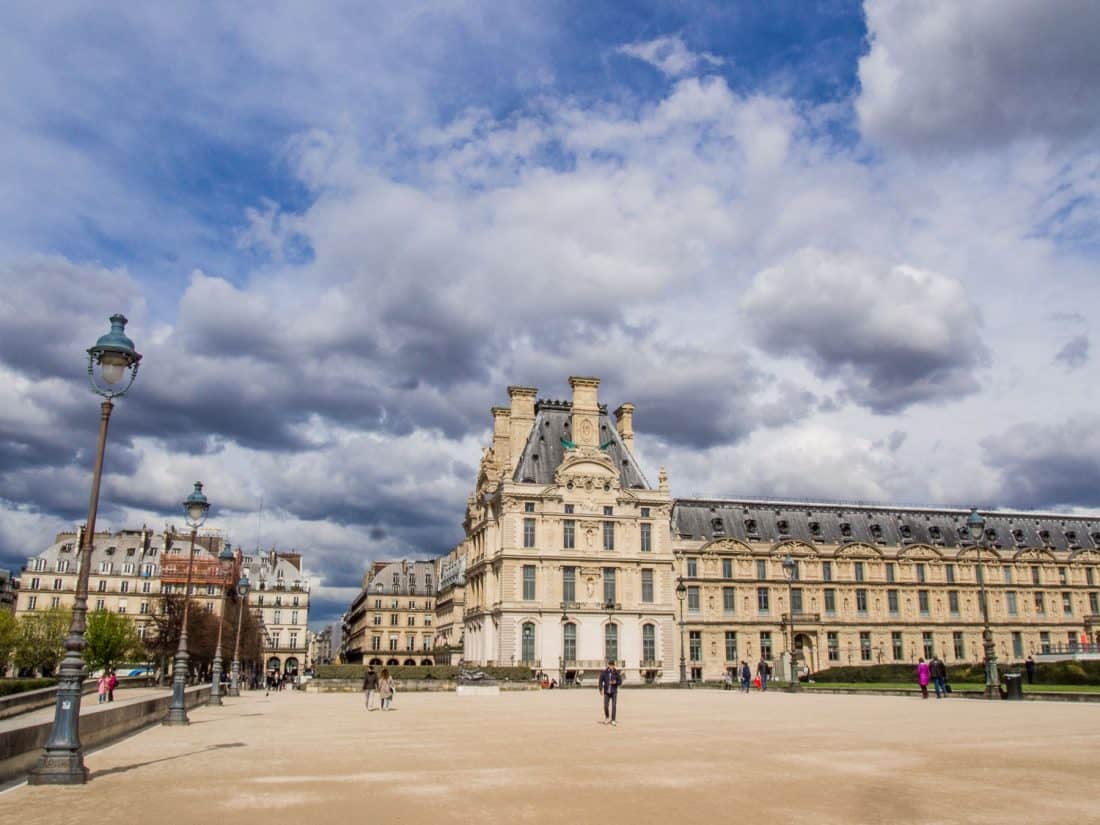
{"x":573,"y":556}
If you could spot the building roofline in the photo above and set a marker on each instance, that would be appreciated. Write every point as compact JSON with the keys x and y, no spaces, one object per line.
{"x":803,"y":504}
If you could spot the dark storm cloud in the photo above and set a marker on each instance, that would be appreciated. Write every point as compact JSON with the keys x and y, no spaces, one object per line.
{"x":1048,"y":466}
{"x":1075,"y":352}
{"x":894,"y":336}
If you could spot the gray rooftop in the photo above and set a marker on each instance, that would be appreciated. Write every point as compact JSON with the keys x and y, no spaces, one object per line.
{"x":544,"y":451}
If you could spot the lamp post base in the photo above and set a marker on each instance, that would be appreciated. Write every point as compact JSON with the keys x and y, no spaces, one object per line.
{"x":60,"y":767}
{"x":234,"y":679}
{"x":177,"y":711}
{"x":216,"y":682}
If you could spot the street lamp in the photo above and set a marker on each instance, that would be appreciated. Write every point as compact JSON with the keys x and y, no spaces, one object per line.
{"x":790,"y":569}
{"x":195,"y":508}
{"x":976,"y":525}
{"x":681,"y":594}
{"x":62,"y":760}
{"x":225,"y":563}
{"x":243,"y":586}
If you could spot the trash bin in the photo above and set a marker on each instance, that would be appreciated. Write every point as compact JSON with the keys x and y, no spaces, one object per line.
{"x":1014,"y":686}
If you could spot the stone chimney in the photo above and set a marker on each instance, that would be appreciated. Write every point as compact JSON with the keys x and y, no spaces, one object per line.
{"x":502,"y":432}
{"x":624,"y":424}
{"x":522,"y":418}
{"x":585,"y":424}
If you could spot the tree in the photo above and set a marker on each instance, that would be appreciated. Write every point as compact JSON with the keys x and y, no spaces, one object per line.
{"x":202,"y":634}
{"x":111,"y":639}
{"x":40,"y":640}
{"x":9,"y":633}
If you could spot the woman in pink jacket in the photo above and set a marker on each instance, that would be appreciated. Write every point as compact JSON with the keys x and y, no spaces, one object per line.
{"x":924,"y":673}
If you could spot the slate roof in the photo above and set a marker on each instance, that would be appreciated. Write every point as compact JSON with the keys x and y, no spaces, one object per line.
{"x":832,"y":523}
{"x":544,"y":451}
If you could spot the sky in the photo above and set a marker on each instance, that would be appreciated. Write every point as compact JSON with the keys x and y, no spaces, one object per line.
{"x":829,"y":250}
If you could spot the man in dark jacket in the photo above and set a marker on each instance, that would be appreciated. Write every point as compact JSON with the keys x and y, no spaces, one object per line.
{"x":610,"y":679}
{"x":939,"y":676}
{"x":370,"y":684}
{"x":1029,"y":666}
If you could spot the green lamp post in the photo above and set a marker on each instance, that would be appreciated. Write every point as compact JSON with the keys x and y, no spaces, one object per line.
{"x":243,"y":586}
{"x":62,"y":760}
{"x":975,"y":524}
{"x":225,"y":565}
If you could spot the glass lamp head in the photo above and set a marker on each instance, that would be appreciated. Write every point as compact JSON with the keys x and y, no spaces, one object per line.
{"x":243,"y":586}
{"x":681,"y":589}
{"x":114,"y":353}
{"x":196,"y":506}
{"x":975,"y":524}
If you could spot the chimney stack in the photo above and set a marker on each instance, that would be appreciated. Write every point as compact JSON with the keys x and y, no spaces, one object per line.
{"x":585,"y":424}
{"x":522,"y":419}
{"x":624,"y":423}
{"x":502,"y":431}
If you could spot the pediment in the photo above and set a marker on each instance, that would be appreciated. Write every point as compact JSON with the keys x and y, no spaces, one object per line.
{"x":727,"y":546}
{"x":858,"y":550}
{"x":988,"y":554}
{"x":1084,"y":556}
{"x":919,"y":552}
{"x":1034,"y":554}
{"x":797,"y":549}
{"x":587,"y":468}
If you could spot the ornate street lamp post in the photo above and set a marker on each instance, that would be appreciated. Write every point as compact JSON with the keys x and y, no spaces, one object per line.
{"x":62,"y":761}
{"x":976,"y":525}
{"x":195,"y":508}
{"x":225,"y":563}
{"x":243,"y":587}
{"x":681,"y":594}
{"x":790,"y":569}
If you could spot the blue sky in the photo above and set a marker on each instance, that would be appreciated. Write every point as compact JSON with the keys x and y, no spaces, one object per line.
{"x":834,"y":250}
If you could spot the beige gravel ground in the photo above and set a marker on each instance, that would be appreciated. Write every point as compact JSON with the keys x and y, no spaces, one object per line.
{"x":535,"y":757}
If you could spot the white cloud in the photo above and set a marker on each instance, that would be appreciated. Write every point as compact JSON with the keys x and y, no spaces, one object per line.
{"x":670,"y":55}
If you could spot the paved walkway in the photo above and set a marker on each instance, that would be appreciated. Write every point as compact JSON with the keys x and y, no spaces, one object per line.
{"x":89,"y":703}
{"x":540,"y":757}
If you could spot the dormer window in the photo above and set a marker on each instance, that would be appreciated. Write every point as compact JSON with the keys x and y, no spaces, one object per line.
{"x":1096,"y":538}
{"x":750,"y":526}
{"x":782,"y":526}
{"x":935,"y":533}
{"x":846,"y":529}
{"x":876,"y":532}
{"x":1044,"y":535}
{"x":906,"y":531}
{"x":717,"y":525}
{"x":1018,"y":536}
{"x":1071,"y":537}
{"x":990,"y":534}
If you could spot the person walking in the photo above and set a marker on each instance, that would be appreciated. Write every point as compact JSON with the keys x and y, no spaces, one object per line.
{"x":762,"y":673}
{"x":1029,"y":666}
{"x":112,"y":683}
{"x":386,"y":689}
{"x":370,"y":684}
{"x":101,"y":687}
{"x":610,"y":679}
{"x":924,"y":673}
{"x":939,"y":676}
{"x":746,"y":676}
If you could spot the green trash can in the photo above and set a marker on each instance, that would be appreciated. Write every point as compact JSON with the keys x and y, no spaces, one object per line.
{"x":1014,"y":686}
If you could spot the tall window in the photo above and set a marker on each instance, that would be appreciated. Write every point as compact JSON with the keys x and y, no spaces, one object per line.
{"x":569,"y":642}
{"x":729,"y":600}
{"x":611,"y":642}
{"x":1010,"y":602}
{"x":1006,"y":571}
{"x":727,"y":568}
{"x":649,"y":643}
{"x":922,"y":600}
{"x":761,"y":569}
{"x":892,"y":601}
{"x":890,"y":572}
{"x":1017,"y":644}
{"x":528,"y":583}
{"x":646,"y":536}
{"x":1044,"y":642}
{"x":528,"y":642}
{"x":950,"y":571}
{"x":731,"y":646}
{"x":827,"y":571}
{"x":528,"y":532}
{"x":929,"y":647}
{"x":859,"y":571}
{"x":861,"y":600}
{"x":695,"y":645}
{"x":953,"y":602}
{"x":830,"y":601}
{"x":896,"y":644}
{"x":1067,"y":604}
{"x":609,"y":585}
{"x":1094,"y":603}
{"x":960,"y":648}
{"x":1040,"y":605}
{"x":693,"y":568}
{"x":765,"y":644}
{"x":1036,"y":575}
{"x":569,"y":536}
{"x":762,"y":599}
{"x":693,"y":599}
{"x":864,"y":646}
{"x":647,"y":586}
{"x":796,"y":600}
{"x":609,"y":535}
{"x":569,"y":584}
{"x":833,"y":645}
{"x":921,"y":574}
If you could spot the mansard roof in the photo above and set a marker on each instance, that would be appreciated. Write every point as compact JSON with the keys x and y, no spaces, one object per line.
{"x":544,"y":451}
{"x":770,"y":521}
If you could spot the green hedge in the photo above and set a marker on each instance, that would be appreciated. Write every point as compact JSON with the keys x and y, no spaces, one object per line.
{"x":10,"y":686}
{"x":443,"y":672}
{"x":1046,"y":673}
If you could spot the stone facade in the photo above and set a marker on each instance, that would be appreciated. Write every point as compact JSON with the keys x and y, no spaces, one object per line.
{"x":450,"y":605}
{"x":391,"y":621}
{"x":279,"y":600}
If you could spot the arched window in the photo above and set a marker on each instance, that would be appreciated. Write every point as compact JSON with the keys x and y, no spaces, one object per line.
{"x":649,"y":643}
{"x":611,"y":642}
{"x":569,"y":642}
{"x":528,"y":652}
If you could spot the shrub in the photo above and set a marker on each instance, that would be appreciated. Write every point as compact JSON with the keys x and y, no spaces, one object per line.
{"x":1046,"y":673}
{"x":443,"y":672}
{"x":11,"y":686}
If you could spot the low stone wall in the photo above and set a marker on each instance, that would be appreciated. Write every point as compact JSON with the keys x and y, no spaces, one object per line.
{"x":17,"y":703}
{"x":20,"y":747}
{"x":404,"y":686}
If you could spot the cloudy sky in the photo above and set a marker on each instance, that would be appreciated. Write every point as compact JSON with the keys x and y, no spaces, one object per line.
{"x":843,"y":252}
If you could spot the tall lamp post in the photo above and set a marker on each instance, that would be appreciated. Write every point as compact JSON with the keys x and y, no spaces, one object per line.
{"x":681,"y":594}
{"x":225,"y":563}
{"x":62,"y":760}
{"x":195,"y":508}
{"x":976,"y":525}
{"x":790,"y":568}
{"x":243,"y":586}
